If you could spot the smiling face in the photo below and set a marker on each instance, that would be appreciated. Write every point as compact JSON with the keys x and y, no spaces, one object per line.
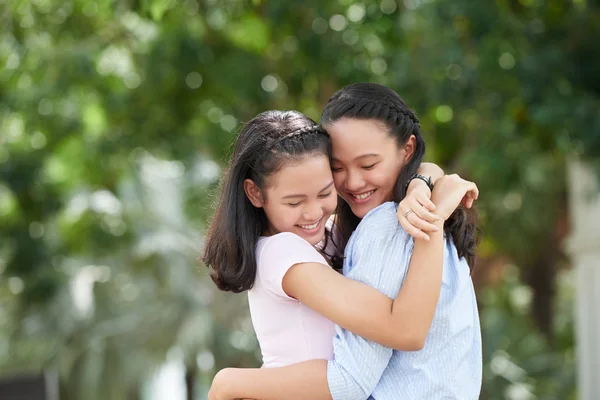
{"x":299,"y":198}
{"x":366,"y":162}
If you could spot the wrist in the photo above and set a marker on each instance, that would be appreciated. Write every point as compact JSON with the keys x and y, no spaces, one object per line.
{"x":420,"y":185}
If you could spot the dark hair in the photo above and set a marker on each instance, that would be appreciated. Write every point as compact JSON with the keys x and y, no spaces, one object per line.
{"x":265,"y":144}
{"x":370,"y":101}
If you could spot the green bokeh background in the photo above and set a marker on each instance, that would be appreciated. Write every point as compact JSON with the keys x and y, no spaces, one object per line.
{"x":117,"y":119}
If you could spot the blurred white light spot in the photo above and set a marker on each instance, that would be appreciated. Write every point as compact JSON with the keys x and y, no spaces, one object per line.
{"x":82,"y":293}
{"x":506,"y":61}
{"x":319,"y":26}
{"x":512,"y":201}
{"x":206,"y":171}
{"x":104,"y":201}
{"x":15,"y":285}
{"x":338,"y":22}
{"x":269,"y":83}
{"x":388,"y":6}
{"x":36,"y":230}
{"x":373,"y":44}
{"x":290,"y":44}
{"x":193,"y":80}
{"x":132,"y":80}
{"x":228,"y":123}
{"x":205,"y":361}
{"x":216,"y":19}
{"x":214,"y":115}
{"x":15,"y":128}
{"x":169,"y":381}
{"x":444,"y":113}
{"x":350,"y":37}
{"x":502,"y":365}
{"x":144,"y":29}
{"x":115,"y":60}
{"x":521,"y":297}
{"x":378,"y":66}
{"x":38,"y":140}
{"x":356,"y":12}
{"x":519,"y":391}
{"x":240,"y":340}
{"x":45,"y":107}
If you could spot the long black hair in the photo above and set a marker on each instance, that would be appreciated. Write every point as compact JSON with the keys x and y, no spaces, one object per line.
{"x":264,"y":145}
{"x":370,"y":101}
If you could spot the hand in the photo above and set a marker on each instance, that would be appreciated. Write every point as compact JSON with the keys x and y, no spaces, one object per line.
{"x":415,"y":211}
{"x":450,"y":191}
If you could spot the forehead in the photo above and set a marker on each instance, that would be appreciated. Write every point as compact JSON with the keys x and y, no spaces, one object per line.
{"x":304,"y":175}
{"x":353,"y":137}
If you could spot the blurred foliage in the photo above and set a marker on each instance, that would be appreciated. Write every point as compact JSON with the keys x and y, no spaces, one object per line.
{"x":116,"y":118}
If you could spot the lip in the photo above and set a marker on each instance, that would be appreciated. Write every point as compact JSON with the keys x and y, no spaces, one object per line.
{"x":361,"y":201}
{"x":314,"y":230}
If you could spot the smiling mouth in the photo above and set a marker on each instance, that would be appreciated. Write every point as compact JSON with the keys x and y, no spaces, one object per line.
{"x":364,"y":195}
{"x":311,"y":226}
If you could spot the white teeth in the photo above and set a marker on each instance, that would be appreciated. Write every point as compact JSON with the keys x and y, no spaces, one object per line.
{"x":364,"y":195}
{"x":308,"y":227}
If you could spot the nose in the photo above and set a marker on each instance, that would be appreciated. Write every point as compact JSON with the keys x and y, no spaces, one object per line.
{"x":354,"y":181}
{"x":313,"y":213}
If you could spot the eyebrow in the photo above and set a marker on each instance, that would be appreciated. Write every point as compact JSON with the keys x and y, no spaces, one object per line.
{"x":303,"y":195}
{"x":359,"y":157}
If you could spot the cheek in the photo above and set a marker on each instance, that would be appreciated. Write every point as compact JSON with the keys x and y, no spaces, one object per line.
{"x":280,"y":216}
{"x":331,"y":202}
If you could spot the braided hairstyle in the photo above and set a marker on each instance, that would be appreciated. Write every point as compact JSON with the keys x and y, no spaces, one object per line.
{"x":370,"y":101}
{"x":265,"y":144}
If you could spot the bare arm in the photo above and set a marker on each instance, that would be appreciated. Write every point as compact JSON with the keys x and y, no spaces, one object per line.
{"x":305,"y":380}
{"x":401,"y":324}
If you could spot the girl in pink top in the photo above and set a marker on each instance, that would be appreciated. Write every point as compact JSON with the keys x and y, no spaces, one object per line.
{"x":276,"y":199}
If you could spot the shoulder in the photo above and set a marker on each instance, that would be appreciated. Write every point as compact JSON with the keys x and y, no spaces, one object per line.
{"x":284,"y":239}
{"x":286,"y":245}
{"x":380,"y":222}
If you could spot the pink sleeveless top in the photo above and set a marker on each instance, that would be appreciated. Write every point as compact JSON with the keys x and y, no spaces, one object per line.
{"x":288,"y":331}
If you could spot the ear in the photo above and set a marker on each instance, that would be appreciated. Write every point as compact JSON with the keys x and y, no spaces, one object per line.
{"x":253,"y":193}
{"x":409,"y":148}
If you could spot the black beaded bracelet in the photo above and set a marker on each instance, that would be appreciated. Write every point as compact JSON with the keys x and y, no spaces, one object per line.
{"x":426,"y":179}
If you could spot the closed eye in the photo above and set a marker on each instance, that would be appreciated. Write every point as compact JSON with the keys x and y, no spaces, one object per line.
{"x":368,"y":167}
{"x":336,"y":170}
{"x":324,"y":195}
{"x":294,"y":204}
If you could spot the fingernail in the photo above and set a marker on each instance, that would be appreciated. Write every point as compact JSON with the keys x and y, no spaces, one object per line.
{"x":435,"y":228}
{"x":426,"y":238}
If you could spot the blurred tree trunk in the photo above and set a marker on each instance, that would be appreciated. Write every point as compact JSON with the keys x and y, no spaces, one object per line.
{"x":541,"y":276}
{"x":191,"y":372}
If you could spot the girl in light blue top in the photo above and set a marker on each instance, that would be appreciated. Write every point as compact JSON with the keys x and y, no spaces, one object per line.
{"x":376,"y":149}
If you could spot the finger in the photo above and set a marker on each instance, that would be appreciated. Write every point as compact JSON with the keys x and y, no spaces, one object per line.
{"x":412,"y":230}
{"x":421,"y":224}
{"x":426,"y":202}
{"x":468,"y":201}
{"x":473,"y":191}
{"x":422,"y":212}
